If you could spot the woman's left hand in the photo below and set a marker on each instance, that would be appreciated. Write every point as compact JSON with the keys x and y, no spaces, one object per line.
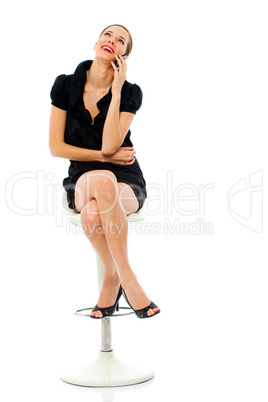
{"x":119,"y":75}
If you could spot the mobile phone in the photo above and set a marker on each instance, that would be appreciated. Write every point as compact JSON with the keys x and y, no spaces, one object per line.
{"x":124,"y":57}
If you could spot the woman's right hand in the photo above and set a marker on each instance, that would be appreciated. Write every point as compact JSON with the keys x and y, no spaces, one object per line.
{"x":123,"y":156}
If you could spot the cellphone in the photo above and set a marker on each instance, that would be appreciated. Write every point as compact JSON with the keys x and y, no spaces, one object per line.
{"x":124,"y":57}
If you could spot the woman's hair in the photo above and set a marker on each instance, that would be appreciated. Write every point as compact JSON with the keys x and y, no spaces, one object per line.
{"x":129,"y":42}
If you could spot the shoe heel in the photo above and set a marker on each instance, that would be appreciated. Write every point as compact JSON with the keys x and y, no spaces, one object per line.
{"x":117,"y":307}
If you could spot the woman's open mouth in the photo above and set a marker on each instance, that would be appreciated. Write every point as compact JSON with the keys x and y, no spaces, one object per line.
{"x":108,"y":49}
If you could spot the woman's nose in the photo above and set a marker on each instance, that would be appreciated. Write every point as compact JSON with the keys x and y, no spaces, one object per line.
{"x":112,"y":40}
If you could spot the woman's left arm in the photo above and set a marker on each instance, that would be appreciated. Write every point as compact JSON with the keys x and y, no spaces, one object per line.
{"x":116,"y":124}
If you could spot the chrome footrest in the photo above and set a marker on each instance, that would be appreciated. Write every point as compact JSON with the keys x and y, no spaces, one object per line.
{"x":121,"y":312}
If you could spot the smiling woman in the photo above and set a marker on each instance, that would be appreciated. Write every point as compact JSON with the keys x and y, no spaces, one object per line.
{"x":92,"y":111}
{"x":129,"y":41}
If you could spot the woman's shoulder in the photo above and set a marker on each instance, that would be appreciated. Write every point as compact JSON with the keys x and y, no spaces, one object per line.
{"x":63,"y":80}
{"x":131,"y":97}
{"x":128,"y":87}
{"x":59,"y":93}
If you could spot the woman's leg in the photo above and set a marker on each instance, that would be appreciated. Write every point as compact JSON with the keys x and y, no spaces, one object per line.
{"x":92,"y":227}
{"x":107,"y":230}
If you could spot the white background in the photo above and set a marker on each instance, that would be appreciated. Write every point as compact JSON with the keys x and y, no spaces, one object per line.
{"x":202,"y":66}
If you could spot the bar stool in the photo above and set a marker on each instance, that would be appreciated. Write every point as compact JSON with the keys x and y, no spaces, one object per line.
{"x":106,"y":370}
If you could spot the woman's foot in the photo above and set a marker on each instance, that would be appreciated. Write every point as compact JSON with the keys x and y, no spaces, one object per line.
{"x":136,"y":296}
{"x":108,"y":295}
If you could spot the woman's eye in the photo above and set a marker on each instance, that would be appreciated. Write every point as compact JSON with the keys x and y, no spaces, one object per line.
{"x":119,"y":40}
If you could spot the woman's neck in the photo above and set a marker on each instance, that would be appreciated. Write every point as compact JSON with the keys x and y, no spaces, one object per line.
{"x":100,"y":75}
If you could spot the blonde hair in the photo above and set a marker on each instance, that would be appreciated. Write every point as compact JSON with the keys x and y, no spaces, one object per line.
{"x":130,"y":40}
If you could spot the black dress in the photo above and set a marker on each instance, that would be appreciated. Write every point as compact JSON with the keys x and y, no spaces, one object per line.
{"x":67,"y":94}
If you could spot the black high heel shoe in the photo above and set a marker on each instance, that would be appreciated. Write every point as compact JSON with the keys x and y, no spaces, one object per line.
{"x":108,"y":311}
{"x":142,"y":313}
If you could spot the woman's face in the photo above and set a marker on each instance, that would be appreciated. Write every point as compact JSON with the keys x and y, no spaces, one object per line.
{"x":112,"y":43}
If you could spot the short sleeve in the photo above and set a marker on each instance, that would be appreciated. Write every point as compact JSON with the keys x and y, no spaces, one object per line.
{"x":131,"y":98}
{"x":59,"y":92}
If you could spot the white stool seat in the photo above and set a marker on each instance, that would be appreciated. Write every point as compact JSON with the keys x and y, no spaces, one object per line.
{"x":106,"y":370}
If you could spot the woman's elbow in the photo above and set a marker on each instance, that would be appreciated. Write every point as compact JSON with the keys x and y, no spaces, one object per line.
{"x":108,"y":151}
{"x":54,"y":150}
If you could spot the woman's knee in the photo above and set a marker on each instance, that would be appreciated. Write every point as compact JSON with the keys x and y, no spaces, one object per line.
{"x":105,"y":183}
{"x":95,"y":184}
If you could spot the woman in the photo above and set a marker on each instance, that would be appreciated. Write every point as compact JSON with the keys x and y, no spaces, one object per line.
{"x":91,"y":114}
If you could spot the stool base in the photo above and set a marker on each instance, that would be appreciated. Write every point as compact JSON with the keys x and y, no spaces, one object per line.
{"x":107,"y":371}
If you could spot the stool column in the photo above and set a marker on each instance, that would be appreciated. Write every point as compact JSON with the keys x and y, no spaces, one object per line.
{"x":106,"y":333}
{"x":99,"y":272}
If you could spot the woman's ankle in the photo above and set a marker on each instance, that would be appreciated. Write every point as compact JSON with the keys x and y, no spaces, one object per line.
{"x":129,"y":280}
{"x":111,"y":278}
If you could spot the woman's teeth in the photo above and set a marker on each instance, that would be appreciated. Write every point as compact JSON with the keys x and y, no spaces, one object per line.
{"x":107,"y":49}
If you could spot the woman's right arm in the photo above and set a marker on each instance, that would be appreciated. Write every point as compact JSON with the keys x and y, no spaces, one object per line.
{"x":59,"y":148}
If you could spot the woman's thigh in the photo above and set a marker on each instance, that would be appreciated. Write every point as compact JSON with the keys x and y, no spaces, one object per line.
{"x":104,"y":182}
{"x":128,"y":198}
